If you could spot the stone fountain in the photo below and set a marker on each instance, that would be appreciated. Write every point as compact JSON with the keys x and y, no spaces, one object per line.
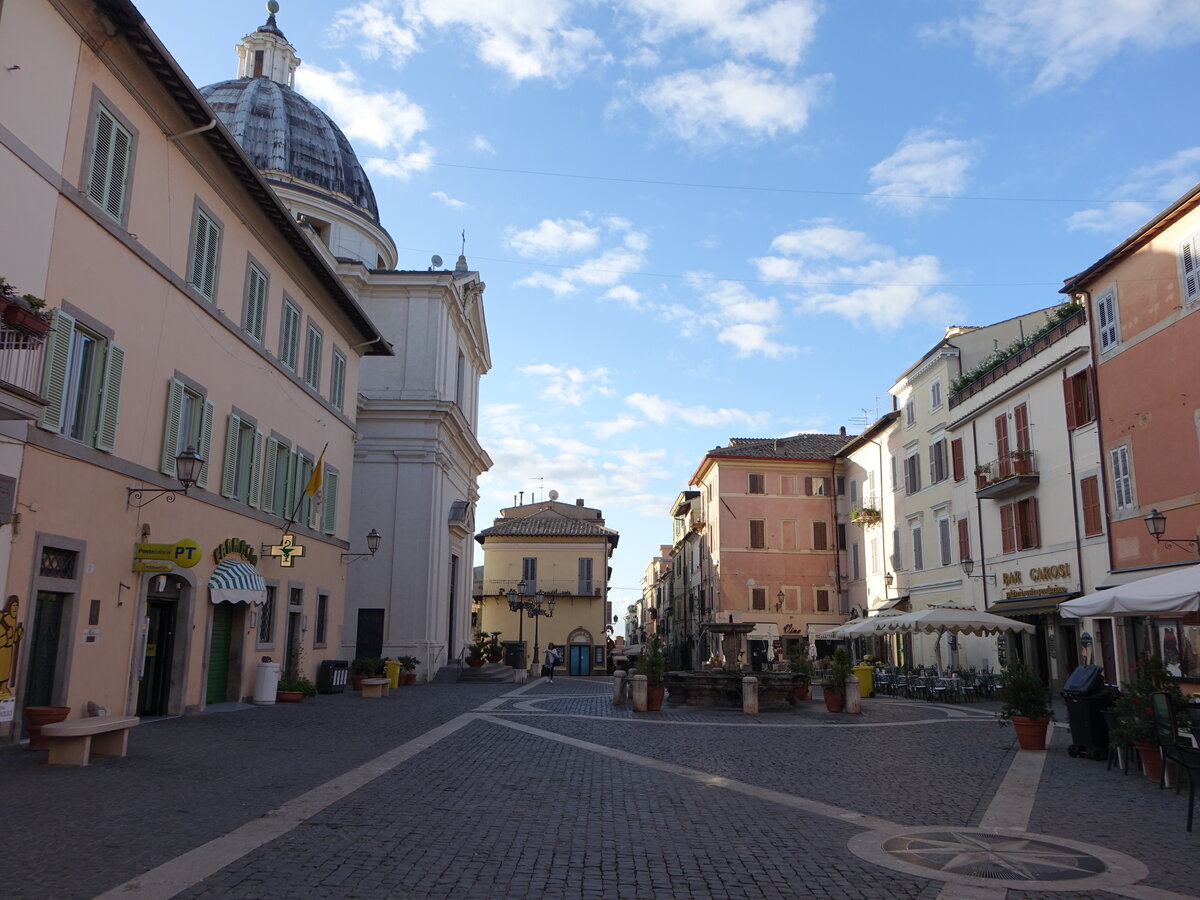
{"x":723,"y":687}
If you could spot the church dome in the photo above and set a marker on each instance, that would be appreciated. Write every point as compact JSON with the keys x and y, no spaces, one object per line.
{"x":283,"y":133}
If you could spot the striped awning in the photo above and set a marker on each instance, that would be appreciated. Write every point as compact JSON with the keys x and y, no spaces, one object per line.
{"x":236,"y":582}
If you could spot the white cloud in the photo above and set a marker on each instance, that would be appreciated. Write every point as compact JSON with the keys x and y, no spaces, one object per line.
{"x":741,"y":319}
{"x":530,"y":39}
{"x":448,"y":200}
{"x":388,"y":119}
{"x":569,"y":384}
{"x":925,"y":165}
{"x":1068,"y":40}
{"x":1162,"y":181}
{"x":374,"y":31}
{"x":482,"y":145}
{"x":713,"y":105}
{"x":623,"y":293}
{"x":834,"y":273}
{"x":622,"y":423}
{"x":553,"y":237}
{"x":779,"y":31}
{"x":662,"y":412}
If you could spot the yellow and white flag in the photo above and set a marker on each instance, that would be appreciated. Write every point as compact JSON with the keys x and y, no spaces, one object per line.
{"x":313,"y":488}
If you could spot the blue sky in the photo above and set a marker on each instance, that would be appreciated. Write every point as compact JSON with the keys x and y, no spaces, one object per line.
{"x":702,"y":219}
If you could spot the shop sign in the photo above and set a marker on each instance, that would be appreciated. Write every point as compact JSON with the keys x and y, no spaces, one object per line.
{"x":8,"y":709}
{"x":185,"y":554}
{"x":231,"y":546}
{"x":1038,"y":574}
{"x":152,"y":565}
{"x":789,"y":628}
{"x":287,"y":550}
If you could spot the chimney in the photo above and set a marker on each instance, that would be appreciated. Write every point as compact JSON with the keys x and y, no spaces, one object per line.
{"x":843,"y":431}
{"x":522,"y":498}
{"x":579,"y":502}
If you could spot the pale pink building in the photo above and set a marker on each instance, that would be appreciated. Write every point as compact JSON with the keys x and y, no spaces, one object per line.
{"x":189,"y":310}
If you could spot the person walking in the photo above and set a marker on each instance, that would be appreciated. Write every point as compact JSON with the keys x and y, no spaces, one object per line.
{"x":553,"y":658}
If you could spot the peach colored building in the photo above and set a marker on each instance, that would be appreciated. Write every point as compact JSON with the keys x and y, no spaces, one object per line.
{"x":768,"y":514}
{"x":1142,"y":297}
{"x":189,"y":310}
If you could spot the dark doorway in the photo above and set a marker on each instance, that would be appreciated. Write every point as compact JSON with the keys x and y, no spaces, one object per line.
{"x":44,"y":647}
{"x":154,"y":689}
{"x":758,"y":655}
{"x":369,"y":642}
{"x":218,"y":654}
{"x":453,"y":617}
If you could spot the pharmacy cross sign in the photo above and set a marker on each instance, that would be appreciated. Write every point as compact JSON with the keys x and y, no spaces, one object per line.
{"x":287,"y":550}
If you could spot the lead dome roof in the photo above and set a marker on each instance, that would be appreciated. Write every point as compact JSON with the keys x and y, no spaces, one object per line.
{"x":280,"y":130}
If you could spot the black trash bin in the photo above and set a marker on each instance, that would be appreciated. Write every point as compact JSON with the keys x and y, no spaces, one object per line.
{"x":1087,"y":696}
{"x":332,"y":675}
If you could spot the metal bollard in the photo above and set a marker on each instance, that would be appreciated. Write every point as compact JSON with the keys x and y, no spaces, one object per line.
{"x":853,"y":695}
{"x":639,"y":692}
{"x":750,"y":695}
{"x":618,"y":688}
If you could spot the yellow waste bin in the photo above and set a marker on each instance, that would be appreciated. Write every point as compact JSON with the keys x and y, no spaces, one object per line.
{"x":863,"y":674}
{"x":392,"y":668}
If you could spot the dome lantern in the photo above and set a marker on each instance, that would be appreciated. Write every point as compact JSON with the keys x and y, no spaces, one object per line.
{"x":266,"y":53}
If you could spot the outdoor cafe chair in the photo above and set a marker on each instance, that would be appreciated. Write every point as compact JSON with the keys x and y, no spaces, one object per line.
{"x":937,"y":689}
{"x":1186,"y":758}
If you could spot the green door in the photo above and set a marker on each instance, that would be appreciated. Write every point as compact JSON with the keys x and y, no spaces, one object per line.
{"x":43,"y":648}
{"x":218,"y":654}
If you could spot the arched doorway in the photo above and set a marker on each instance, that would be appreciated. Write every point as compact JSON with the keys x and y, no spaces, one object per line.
{"x":162,"y":656}
{"x":579,"y":652}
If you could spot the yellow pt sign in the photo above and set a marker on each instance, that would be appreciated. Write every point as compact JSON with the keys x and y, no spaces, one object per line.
{"x":185,"y":553}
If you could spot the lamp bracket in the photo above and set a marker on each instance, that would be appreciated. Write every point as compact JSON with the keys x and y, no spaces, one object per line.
{"x":134,"y":496}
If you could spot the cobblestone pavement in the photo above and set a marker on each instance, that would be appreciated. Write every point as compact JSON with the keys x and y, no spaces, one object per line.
{"x":496,"y":791}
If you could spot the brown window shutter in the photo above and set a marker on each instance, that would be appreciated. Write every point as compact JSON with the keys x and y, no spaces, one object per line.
{"x":820,"y":538}
{"x":1035,"y":538}
{"x":1089,"y":488}
{"x":1008,"y":537}
{"x":1001,"y":436}
{"x":1070,"y":403}
{"x":956,"y":457}
{"x":1089,"y":395}
{"x":808,"y":486}
{"x":1021,"y":419}
{"x":964,"y":538}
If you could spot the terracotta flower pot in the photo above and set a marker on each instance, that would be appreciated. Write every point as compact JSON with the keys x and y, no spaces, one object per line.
{"x":1151,"y":759}
{"x":26,"y":320}
{"x":495,"y":658}
{"x":37,"y":716}
{"x":802,"y":691}
{"x":357,"y":680}
{"x":1031,"y":733}
{"x":289,"y":696}
{"x":835,"y":701}
{"x":475,"y":661}
{"x":654,"y":696}
{"x":409,"y":678}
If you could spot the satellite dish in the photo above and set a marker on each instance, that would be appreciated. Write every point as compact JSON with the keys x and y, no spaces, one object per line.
{"x":554,"y":495}
{"x":437,"y":260}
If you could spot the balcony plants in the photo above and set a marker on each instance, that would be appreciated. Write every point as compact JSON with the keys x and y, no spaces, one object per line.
{"x":1022,"y":461}
{"x":1025,"y":701}
{"x":833,"y":685}
{"x":25,"y":312}
{"x":867,"y":515}
{"x":652,"y":663}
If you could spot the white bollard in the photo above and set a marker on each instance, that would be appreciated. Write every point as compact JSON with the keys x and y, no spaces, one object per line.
{"x":639,"y":692}
{"x":619,"y":688}
{"x":853,"y":695}
{"x":750,"y":695}
{"x":520,"y":676}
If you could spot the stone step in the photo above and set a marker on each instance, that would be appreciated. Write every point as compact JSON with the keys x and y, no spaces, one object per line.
{"x":488,"y":673}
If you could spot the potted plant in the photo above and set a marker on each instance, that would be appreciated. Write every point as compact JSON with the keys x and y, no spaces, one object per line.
{"x":294,"y":687}
{"x":1022,"y":460}
{"x":1025,"y":701}
{"x":477,"y":651}
{"x":653,"y":664}
{"x":983,"y":475}
{"x":494,"y":650}
{"x":867,"y":515}
{"x":408,"y":665}
{"x":801,"y":665}
{"x":833,"y":685}
{"x":26,"y":312}
{"x":364,"y":667}
{"x":1135,"y":718}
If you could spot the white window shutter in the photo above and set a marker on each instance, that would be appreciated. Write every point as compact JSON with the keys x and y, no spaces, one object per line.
{"x":170,"y":443}
{"x":1191,"y":270}
{"x":54,"y":377}
{"x":110,"y":399}
{"x":206,"y":420}
{"x":229,"y":474}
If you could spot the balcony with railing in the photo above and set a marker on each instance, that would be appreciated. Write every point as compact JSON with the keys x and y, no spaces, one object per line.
{"x":1008,"y":475}
{"x":22,"y":356}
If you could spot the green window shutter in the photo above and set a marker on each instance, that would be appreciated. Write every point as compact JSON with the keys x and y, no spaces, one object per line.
{"x":110,"y":399}
{"x":255,"y":469}
{"x":114,"y":204}
{"x":268,"y":478}
{"x":289,"y":485}
{"x":101,"y":154}
{"x":171,"y":427}
{"x":54,"y":378}
{"x":204,"y":255}
{"x":329,"y":509}
{"x":206,"y":420}
{"x":256,"y":302}
{"x":229,"y":474}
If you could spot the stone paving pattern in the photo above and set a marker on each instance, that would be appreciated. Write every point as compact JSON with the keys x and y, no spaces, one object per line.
{"x":494,"y":812}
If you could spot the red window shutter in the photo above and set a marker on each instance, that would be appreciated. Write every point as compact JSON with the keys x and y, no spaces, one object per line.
{"x":1001,"y":436}
{"x":820,"y":539}
{"x":1035,"y":538}
{"x":1008,"y":531}
{"x":964,"y":538}
{"x":1021,"y":417}
{"x":822,"y":601}
{"x":1089,"y":489}
{"x":1070,"y":403}
{"x":956,"y":457}
{"x":1089,"y":395}
{"x":808,"y":484}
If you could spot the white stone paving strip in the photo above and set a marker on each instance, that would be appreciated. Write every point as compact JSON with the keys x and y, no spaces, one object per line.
{"x":1013,"y":804}
{"x":192,"y":867}
{"x":799,"y":803}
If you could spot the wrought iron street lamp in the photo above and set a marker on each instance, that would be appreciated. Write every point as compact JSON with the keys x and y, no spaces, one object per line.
{"x":541,"y":606}
{"x":1156,"y":524}
{"x":188,"y":466}
{"x":968,"y":566}
{"x":374,"y":538}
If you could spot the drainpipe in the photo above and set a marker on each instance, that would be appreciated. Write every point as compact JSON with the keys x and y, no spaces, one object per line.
{"x":1075,"y":502}
{"x":979,"y":517}
{"x":1084,"y":298}
{"x":183,"y":134}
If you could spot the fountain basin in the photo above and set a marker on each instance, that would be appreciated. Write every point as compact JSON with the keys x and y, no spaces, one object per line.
{"x":722,"y":688}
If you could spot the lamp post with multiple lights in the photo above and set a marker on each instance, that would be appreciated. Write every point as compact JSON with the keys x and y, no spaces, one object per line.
{"x":535,"y":606}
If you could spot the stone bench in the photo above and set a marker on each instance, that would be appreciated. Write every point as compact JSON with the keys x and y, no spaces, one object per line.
{"x":75,"y":742}
{"x":375,"y":687}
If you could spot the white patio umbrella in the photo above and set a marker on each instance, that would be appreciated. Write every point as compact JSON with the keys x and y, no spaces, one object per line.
{"x":860,"y":627}
{"x":950,"y":617}
{"x":1173,"y":594}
